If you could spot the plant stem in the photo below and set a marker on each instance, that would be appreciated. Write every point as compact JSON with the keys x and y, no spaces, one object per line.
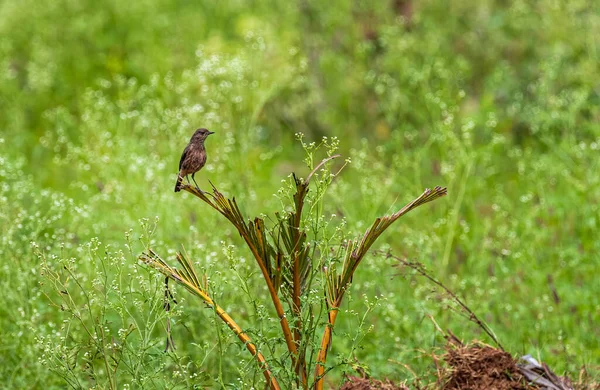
{"x":325,"y":343}
{"x":355,"y":252}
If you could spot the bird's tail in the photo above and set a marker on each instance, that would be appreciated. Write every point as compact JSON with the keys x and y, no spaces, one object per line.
{"x":178,"y":184}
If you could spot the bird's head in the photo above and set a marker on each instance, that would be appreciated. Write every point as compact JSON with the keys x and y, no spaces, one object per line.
{"x":201,"y":134}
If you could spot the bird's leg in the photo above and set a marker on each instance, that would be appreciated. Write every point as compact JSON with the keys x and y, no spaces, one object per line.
{"x":197,"y":187}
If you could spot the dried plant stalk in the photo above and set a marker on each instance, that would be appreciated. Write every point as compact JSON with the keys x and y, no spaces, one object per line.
{"x":188,"y":278}
{"x":355,"y":252}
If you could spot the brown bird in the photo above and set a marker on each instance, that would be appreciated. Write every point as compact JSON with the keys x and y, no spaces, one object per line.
{"x":193,"y":157}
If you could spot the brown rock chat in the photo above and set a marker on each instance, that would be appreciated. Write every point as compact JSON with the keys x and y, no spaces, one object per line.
{"x":193,"y":157}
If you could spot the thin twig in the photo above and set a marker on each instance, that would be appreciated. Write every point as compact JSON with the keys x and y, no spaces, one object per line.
{"x":423,"y":272}
{"x":319,"y":166}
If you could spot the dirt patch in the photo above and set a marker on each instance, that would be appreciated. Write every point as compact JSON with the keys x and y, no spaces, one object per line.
{"x":480,"y":367}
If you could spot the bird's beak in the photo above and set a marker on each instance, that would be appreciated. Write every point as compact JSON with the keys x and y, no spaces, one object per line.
{"x":211,"y":132}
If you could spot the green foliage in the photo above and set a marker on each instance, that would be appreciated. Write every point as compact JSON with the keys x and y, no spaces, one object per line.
{"x":498,"y":101}
{"x":108,"y":338}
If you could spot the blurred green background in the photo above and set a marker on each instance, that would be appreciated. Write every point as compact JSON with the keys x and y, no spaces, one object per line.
{"x":497,"y":100}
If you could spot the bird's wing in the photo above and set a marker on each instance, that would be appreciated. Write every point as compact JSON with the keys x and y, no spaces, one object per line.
{"x":185,"y":151}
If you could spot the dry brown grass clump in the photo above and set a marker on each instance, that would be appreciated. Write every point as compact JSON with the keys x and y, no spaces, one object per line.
{"x":479,"y":367}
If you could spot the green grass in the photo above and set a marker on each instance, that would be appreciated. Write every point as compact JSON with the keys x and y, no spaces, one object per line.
{"x":497,"y":101}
